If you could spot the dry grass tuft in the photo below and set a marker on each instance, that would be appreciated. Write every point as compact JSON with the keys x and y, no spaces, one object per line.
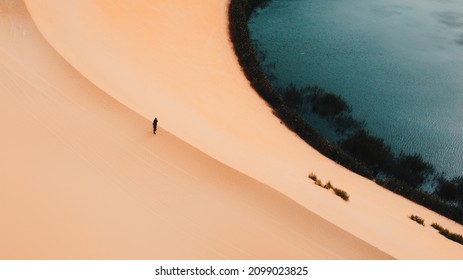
{"x":417,"y":219}
{"x":341,"y":193}
{"x":313,"y":176}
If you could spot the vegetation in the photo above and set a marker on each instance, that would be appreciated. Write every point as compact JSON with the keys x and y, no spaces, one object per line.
{"x":450,"y":190}
{"x":450,"y":235}
{"x":437,"y":226}
{"x":412,"y":169}
{"x":320,"y":102}
{"x":293,"y":97}
{"x":313,"y":176}
{"x":323,"y":103}
{"x":345,"y":123}
{"x":342,"y":194}
{"x":369,"y":149}
{"x":327,"y":104}
{"x":424,"y":198}
{"x":328,"y":186}
{"x":417,"y":219}
{"x":358,"y":142}
{"x":239,"y":12}
{"x":359,"y":151}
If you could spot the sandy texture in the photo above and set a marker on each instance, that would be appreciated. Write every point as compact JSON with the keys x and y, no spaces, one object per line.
{"x":83,"y":176}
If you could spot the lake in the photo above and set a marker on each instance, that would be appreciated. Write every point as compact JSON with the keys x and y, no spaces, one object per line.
{"x":399,"y":64}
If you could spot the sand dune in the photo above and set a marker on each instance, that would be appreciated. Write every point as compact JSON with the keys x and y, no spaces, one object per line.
{"x":83,"y":176}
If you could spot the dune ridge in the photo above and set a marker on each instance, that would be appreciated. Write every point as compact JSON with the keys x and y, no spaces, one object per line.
{"x":228,"y":180}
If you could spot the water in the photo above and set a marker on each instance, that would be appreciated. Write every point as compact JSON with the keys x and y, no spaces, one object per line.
{"x":399,"y":63}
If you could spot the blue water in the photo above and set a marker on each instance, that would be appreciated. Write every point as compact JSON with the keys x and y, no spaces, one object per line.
{"x":399,"y":63}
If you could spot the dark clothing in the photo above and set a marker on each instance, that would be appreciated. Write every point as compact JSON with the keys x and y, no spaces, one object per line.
{"x":155,"y":125}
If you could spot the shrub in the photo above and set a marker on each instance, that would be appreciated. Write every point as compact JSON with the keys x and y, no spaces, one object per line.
{"x":341,"y":193}
{"x":424,"y":198}
{"x":437,"y":226}
{"x":396,"y":185}
{"x":345,"y":123}
{"x":371,"y":150}
{"x":412,"y":169}
{"x":328,"y":186}
{"x":417,"y":219}
{"x":450,"y":235}
{"x":450,"y":190}
{"x":313,"y":176}
{"x":293,"y":97}
{"x":447,"y":190}
{"x":327,"y":104}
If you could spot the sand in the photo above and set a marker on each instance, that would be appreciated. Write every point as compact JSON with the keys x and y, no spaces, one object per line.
{"x":84,"y":177}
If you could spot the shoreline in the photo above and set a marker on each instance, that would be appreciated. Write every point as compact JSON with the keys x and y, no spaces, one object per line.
{"x":239,"y":13}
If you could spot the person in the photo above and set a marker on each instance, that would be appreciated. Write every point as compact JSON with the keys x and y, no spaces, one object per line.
{"x":155,"y":125}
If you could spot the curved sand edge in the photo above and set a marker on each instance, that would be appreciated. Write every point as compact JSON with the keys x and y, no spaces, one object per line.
{"x":194,"y":70}
{"x":84,"y":178}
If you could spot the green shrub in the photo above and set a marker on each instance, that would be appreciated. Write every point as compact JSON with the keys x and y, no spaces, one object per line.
{"x":412,"y":169}
{"x":341,"y":193}
{"x":369,"y":149}
{"x":327,"y":104}
{"x":417,"y":219}
{"x":293,"y":97}
{"x":450,"y":190}
{"x":345,"y":123}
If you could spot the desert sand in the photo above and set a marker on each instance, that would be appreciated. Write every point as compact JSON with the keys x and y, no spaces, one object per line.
{"x":83,"y":177}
